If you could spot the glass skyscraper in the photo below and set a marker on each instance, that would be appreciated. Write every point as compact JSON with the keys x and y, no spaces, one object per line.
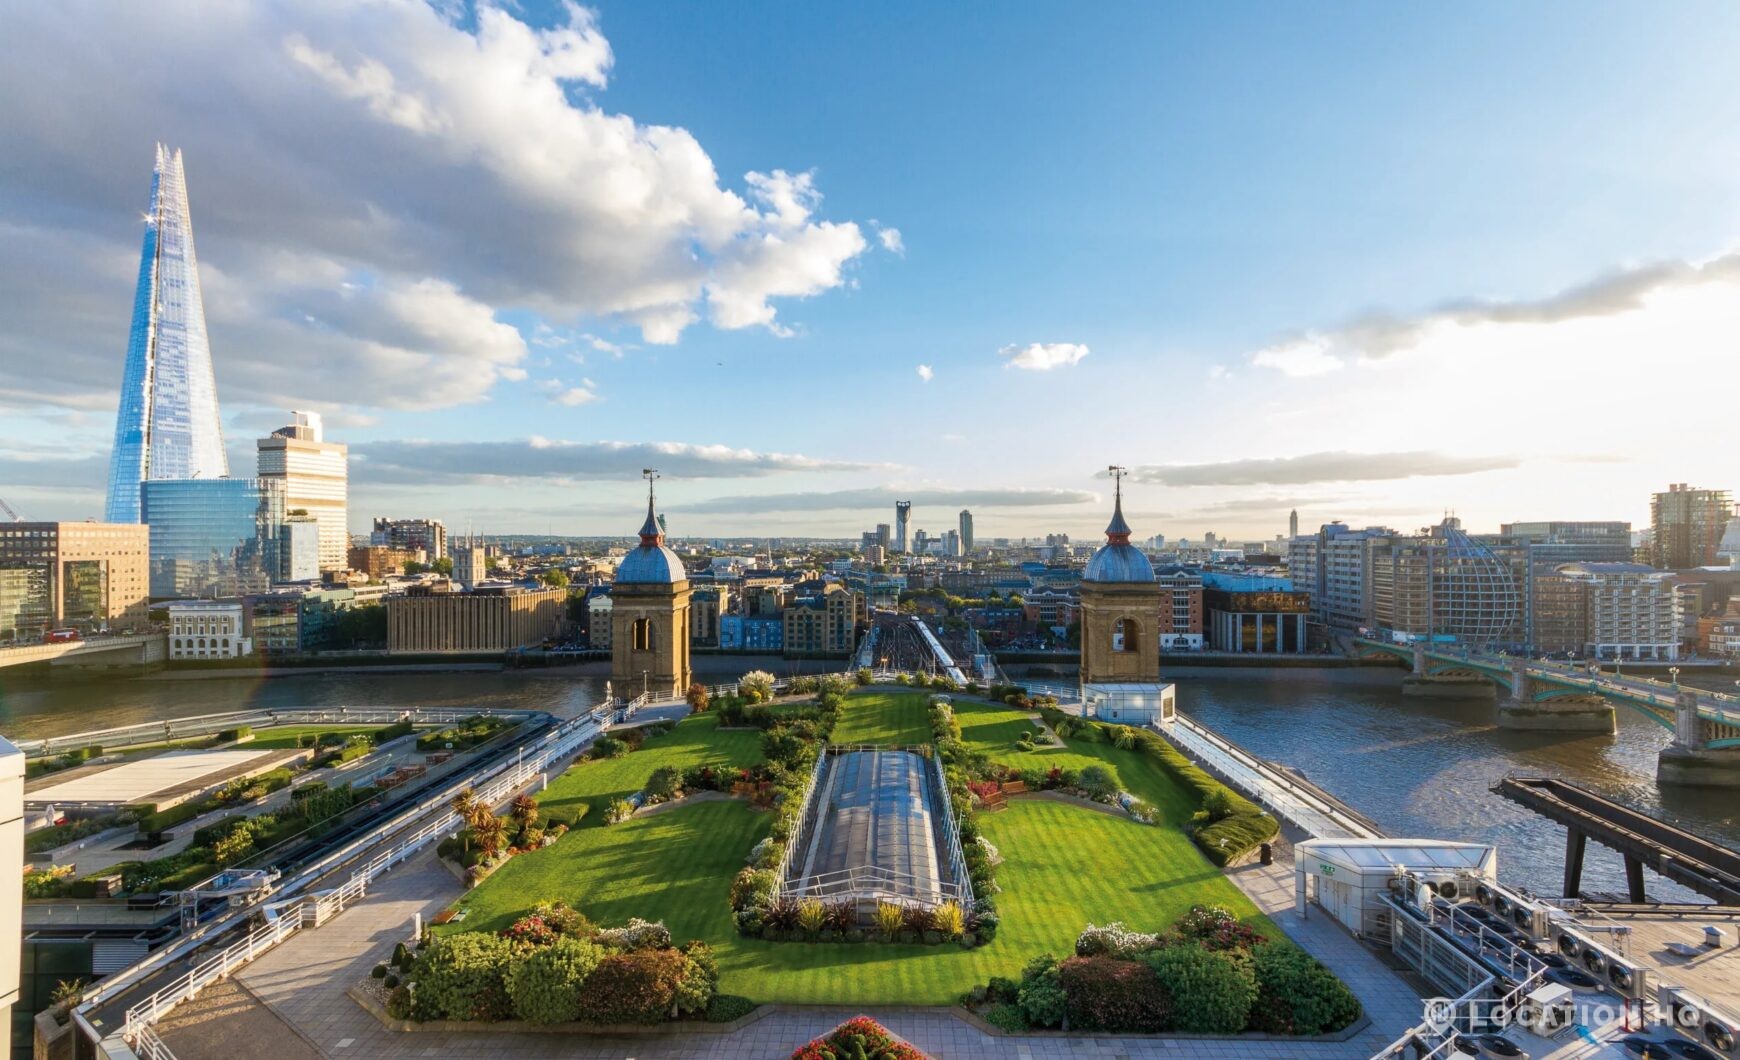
{"x":167,"y":425}
{"x":213,"y":537}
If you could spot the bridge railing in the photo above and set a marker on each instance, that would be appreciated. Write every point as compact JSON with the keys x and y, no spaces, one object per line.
{"x":210,"y":724}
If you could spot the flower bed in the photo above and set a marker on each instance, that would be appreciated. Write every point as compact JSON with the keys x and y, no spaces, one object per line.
{"x":858,"y":1037}
{"x":1208,"y":974}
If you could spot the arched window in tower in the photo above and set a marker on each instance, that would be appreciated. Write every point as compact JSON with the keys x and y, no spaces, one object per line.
{"x":643,"y":634}
{"x":1125,"y":635}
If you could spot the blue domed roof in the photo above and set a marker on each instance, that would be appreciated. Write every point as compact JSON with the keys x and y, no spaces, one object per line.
{"x":1118,"y":563}
{"x":1118,"y":560}
{"x":651,"y":565}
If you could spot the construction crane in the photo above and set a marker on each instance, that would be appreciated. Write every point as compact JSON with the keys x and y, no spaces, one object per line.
{"x":10,"y":513}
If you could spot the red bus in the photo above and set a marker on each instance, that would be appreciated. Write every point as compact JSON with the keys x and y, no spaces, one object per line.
{"x":61,"y":636}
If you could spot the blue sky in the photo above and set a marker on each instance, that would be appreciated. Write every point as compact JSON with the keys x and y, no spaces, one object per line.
{"x":1253,"y":218}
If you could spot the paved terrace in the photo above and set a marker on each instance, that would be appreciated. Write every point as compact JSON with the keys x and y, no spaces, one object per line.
{"x":295,"y":998}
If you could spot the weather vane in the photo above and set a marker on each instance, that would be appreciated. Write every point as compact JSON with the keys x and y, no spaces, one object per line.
{"x":1117,"y":474}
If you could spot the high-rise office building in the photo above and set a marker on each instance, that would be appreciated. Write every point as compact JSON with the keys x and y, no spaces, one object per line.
{"x":167,"y":425}
{"x":86,"y":576}
{"x":1293,"y":524}
{"x":213,"y":537}
{"x":966,"y":532}
{"x":1687,"y":526}
{"x":902,"y":509}
{"x":951,"y":543}
{"x":313,"y":471}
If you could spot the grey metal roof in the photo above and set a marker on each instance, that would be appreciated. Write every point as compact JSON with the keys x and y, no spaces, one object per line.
{"x":1118,"y":563}
{"x":651,"y":565}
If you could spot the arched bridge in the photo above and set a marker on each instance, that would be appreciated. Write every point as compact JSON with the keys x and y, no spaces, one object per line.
{"x":1551,"y":696}
{"x":125,"y":649}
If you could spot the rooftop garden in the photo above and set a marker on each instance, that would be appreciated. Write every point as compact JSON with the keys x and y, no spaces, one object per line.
{"x":1061,"y":864}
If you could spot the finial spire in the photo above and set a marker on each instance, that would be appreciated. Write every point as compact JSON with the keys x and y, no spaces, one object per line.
{"x":1118,"y":531}
{"x":651,"y":533}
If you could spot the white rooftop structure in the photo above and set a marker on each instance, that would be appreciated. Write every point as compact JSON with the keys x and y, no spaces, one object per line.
{"x":1347,"y":876}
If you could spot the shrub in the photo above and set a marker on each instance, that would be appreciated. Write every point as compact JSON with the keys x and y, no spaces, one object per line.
{"x":1211,"y":992}
{"x":609,"y":747}
{"x":1216,"y":928}
{"x":1006,"y":1017}
{"x":1296,"y":994}
{"x":698,"y":696}
{"x":1140,"y":810}
{"x":637,"y":934}
{"x":394,"y":731}
{"x":753,"y":887}
{"x":756,"y":686}
{"x":620,"y":810}
{"x":1218,"y":804}
{"x":948,"y":919}
{"x":839,"y":915}
{"x":811,"y":915}
{"x":863,"y":676}
{"x":1001,"y":988}
{"x":1097,"y":781}
{"x":889,"y":918}
{"x":700,"y":978}
{"x":379,"y":971}
{"x":1114,"y":940}
{"x":464,"y":977}
{"x":390,"y":980}
{"x":666,"y":782}
{"x":727,"y":1007}
{"x":233,"y":847}
{"x":636,"y":987}
{"x":545,"y":985}
{"x":1109,"y":994}
{"x":1040,"y":994}
{"x":858,"y":1037}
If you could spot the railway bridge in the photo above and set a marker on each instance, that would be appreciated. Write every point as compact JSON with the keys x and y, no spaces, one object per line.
{"x":1541,"y":695}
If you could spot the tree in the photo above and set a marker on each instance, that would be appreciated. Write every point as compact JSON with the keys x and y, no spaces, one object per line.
{"x":491,"y":562}
{"x":491,"y":834}
{"x":524,"y":811}
{"x":555,"y":578}
{"x":465,"y":804}
{"x":414,"y":567}
{"x":443,"y":566}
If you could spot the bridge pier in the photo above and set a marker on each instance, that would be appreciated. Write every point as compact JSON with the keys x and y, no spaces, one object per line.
{"x":1562,"y":713}
{"x":1448,"y":686}
{"x":1688,"y":761}
{"x":1576,"y":843}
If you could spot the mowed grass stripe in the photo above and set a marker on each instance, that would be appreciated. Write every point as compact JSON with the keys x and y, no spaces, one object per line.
{"x":696,"y":741}
{"x":1064,"y":866}
{"x":886,"y":719}
{"x":993,"y":729}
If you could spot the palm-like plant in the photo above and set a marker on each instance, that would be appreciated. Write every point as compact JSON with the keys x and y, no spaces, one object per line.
{"x":491,"y":834}
{"x":524,"y":811}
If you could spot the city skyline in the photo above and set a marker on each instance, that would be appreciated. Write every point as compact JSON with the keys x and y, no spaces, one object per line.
{"x":1493,"y":316}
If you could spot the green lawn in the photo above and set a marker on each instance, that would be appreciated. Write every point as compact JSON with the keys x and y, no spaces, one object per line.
{"x":993,"y":729}
{"x":287,"y":735}
{"x":1063,"y":867}
{"x":696,"y":741}
{"x":890,"y":719}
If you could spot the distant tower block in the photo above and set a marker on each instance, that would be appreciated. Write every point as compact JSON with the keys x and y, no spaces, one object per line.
{"x":901,"y":510}
{"x":1293,"y":525}
{"x":649,"y":609}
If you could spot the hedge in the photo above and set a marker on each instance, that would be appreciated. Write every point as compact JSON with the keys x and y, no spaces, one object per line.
{"x":1211,"y":991}
{"x":464,"y":977}
{"x":638,"y":987}
{"x":62,"y":834}
{"x":1245,"y":825}
{"x":1296,"y":994}
{"x":232,"y":735}
{"x":1105,"y":993}
{"x":394,"y":731}
{"x":545,"y":985}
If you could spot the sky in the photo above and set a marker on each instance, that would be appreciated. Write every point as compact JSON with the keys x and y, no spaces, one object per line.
{"x":1373,"y":262}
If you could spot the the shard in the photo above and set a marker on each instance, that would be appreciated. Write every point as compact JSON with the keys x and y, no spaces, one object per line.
{"x":167,"y":425}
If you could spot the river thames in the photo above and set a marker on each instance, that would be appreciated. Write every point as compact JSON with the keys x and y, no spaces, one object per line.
{"x":1417,"y":767}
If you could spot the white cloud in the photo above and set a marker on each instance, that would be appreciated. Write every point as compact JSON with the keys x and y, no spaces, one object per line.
{"x":891,"y":241}
{"x":379,"y":152}
{"x":572,"y":396}
{"x":1320,"y":467}
{"x":1299,"y":358}
{"x":1043,"y":356}
{"x":925,"y":373}
{"x":555,"y":460}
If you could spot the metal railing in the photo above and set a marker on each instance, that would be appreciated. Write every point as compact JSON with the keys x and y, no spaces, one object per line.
{"x":499,"y":782}
{"x":211,"y":724}
{"x":952,"y":837}
{"x":795,"y":839}
{"x":881,"y":884}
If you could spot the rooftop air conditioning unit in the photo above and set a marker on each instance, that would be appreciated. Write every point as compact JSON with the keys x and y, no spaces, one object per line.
{"x":1700,"y":1020}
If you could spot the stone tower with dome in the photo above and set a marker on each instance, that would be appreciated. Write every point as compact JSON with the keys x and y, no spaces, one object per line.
{"x":649,"y":623}
{"x":1120,"y":620}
